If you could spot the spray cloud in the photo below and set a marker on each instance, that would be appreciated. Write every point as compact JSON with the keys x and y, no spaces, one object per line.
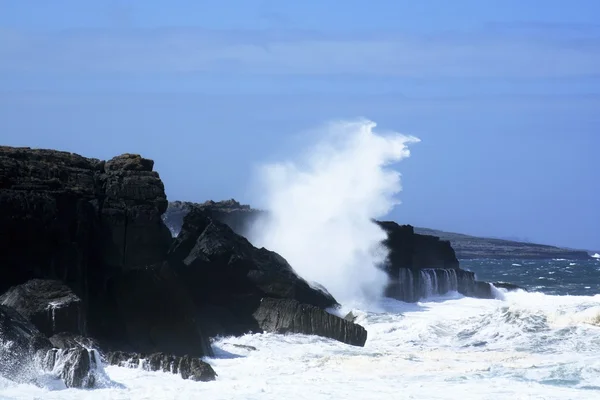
{"x":321,"y":209}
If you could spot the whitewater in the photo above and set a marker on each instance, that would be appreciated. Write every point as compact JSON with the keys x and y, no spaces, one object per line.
{"x":543,"y":344}
{"x":525,"y":346}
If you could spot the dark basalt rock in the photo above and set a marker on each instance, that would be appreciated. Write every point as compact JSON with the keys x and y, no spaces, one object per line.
{"x":96,"y":227}
{"x":49,"y":304}
{"x":228,"y":276}
{"x":76,"y":366}
{"x":290,"y":316}
{"x":150,"y":310}
{"x":65,"y":340}
{"x":508,"y":286}
{"x":188,"y":367}
{"x":21,"y":343}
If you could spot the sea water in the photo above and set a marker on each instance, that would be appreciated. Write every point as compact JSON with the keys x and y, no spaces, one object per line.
{"x":527,"y":345}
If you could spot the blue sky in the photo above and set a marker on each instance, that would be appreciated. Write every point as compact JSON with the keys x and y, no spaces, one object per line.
{"x":505,"y":96}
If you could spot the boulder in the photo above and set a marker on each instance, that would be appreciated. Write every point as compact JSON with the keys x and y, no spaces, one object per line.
{"x":49,"y":304}
{"x":77,"y":367}
{"x":188,"y":367}
{"x":228,"y":276}
{"x":290,"y":316}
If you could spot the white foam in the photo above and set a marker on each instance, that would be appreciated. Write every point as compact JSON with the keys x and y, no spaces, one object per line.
{"x":322,"y":206}
{"x":529,"y":346}
{"x":596,"y":256}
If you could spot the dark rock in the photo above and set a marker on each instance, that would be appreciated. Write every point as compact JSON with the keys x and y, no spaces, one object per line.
{"x":188,"y":367}
{"x":228,"y":276}
{"x":410,"y":250}
{"x":149,"y":310}
{"x":49,"y":304}
{"x":75,"y":366}
{"x":96,"y":226}
{"x":238,"y":217}
{"x":65,"y":340}
{"x":508,"y":286}
{"x":245,"y":347}
{"x":289,"y":316}
{"x":21,"y":343}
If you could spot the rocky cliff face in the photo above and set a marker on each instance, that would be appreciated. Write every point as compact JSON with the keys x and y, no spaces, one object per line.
{"x":84,"y":251}
{"x":418,"y":265}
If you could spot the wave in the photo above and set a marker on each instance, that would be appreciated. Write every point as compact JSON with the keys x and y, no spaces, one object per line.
{"x":321,"y":208}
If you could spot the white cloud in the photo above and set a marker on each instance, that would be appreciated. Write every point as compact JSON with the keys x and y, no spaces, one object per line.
{"x":488,"y":54}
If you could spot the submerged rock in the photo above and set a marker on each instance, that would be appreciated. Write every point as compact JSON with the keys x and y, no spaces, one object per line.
{"x":188,"y":367}
{"x":49,"y":304}
{"x":290,"y":316}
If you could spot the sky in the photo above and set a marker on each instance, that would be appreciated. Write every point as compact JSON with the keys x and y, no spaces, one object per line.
{"x":504,"y":95}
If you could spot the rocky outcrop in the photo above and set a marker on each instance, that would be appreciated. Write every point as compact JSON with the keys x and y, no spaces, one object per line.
{"x":238,"y":217}
{"x":77,"y":367}
{"x":188,"y":367}
{"x":418,"y":265}
{"x":49,"y":304}
{"x":96,"y":227}
{"x":84,"y":253}
{"x":290,"y":316}
{"x":228,"y":276}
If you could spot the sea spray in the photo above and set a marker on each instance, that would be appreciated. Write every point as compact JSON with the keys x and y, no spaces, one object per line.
{"x":321,"y":208}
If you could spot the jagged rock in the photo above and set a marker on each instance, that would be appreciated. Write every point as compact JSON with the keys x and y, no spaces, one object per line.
{"x":508,"y":286}
{"x":76,"y":366}
{"x":289,"y":316}
{"x":188,"y":367}
{"x":245,"y":347}
{"x":49,"y":304}
{"x":66,"y":340}
{"x":238,"y":217}
{"x":20,"y":344}
{"x":96,"y":226}
{"x":228,"y":276}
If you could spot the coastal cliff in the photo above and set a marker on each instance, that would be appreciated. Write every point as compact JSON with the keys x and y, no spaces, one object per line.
{"x":84,"y":253}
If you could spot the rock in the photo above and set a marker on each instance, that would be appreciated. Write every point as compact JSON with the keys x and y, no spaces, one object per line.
{"x":21,"y":345}
{"x":134,"y":200}
{"x":77,"y":367}
{"x":245,"y":347}
{"x":96,"y":227}
{"x":238,"y":217}
{"x":228,"y":276}
{"x":289,"y":316}
{"x":508,"y":286}
{"x":410,"y":250}
{"x":188,"y":367}
{"x":49,"y":304}
{"x":65,"y":340}
{"x":150,"y":310}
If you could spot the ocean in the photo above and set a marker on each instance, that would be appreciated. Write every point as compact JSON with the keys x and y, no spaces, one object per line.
{"x":542,"y":344}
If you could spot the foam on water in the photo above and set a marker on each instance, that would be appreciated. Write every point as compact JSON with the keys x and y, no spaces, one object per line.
{"x":528,"y":346}
{"x":321,"y":208}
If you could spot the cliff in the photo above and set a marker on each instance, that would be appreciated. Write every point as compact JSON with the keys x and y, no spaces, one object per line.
{"x":418,"y":265}
{"x":84,"y":253}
